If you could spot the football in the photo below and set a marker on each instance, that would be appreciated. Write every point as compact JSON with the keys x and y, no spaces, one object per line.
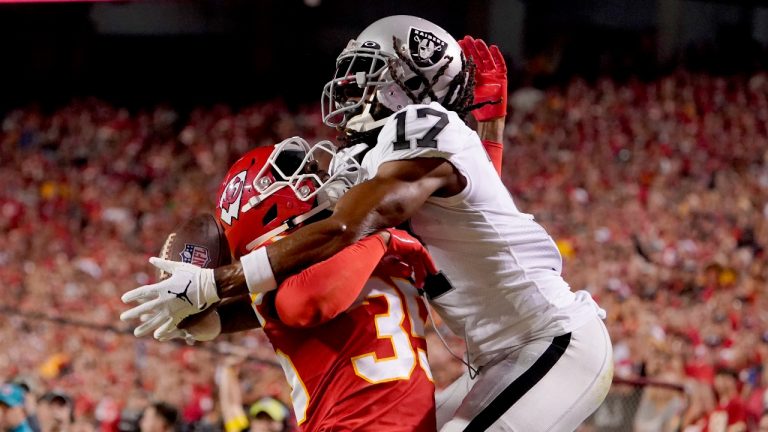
{"x":200,"y":241}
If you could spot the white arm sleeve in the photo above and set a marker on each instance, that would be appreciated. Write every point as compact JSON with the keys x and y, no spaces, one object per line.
{"x":258,"y":271}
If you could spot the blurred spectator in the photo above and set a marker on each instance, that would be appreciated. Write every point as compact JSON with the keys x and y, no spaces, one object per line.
{"x":30,"y":387}
{"x":755,"y":395}
{"x":700,"y":403}
{"x":656,"y":192}
{"x":268,"y":415}
{"x":730,"y":414}
{"x":159,"y":417}
{"x":763,"y":425}
{"x":659,"y":411}
{"x":265,"y":415}
{"x":12,"y":415}
{"x":56,"y":412}
{"x":135,"y":405}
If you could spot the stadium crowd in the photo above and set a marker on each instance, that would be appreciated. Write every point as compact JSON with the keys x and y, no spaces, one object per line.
{"x":656,"y":192}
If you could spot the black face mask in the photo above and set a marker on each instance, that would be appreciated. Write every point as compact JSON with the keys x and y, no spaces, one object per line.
{"x":347,"y":70}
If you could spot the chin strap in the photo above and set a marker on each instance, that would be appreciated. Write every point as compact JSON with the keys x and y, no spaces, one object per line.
{"x":352,"y":137}
{"x":364,"y":122}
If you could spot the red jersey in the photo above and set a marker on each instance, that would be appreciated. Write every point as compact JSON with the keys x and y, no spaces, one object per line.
{"x":363,"y":370}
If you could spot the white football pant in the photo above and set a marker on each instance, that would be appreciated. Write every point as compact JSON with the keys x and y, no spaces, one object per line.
{"x":546,"y":385}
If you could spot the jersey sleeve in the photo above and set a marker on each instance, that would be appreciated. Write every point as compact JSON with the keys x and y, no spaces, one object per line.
{"x":419,"y":131}
{"x":324,"y":290}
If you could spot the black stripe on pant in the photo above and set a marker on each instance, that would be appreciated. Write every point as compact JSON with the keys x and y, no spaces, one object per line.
{"x":519,"y":387}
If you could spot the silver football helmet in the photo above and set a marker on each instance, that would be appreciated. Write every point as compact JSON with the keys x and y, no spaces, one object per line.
{"x":366,"y":71}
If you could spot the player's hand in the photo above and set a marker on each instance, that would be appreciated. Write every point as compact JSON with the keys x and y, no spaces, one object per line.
{"x":201,"y":327}
{"x":407,"y":257}
{"x":334,"y":190}
{"x":189,"y":290}
{"x":490,"y":78}
{"x":176,"y":333}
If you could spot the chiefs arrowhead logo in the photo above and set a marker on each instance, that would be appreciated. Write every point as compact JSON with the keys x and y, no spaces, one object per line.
{"x":229,"y":203}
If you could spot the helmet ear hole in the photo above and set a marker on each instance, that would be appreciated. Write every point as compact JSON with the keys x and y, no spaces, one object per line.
{"x":270,"y":215}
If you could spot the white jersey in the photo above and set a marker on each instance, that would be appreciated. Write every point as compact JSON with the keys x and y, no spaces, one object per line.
{"x":503,"y":266}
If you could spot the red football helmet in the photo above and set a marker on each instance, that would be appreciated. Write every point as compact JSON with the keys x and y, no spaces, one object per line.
{"x":272,"y":190}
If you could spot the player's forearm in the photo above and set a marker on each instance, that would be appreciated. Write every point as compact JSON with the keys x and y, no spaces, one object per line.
{"x":492,"y":133}
{"x":324,"y":290}
{"x":230,"y":280}
{"x":234,"y":314}
{"x":491,"y":130}
{"x":310,"y":244}
{"x":369,"y":207}
{"x":237,"y":315}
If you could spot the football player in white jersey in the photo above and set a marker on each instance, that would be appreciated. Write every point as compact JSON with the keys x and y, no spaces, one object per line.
{"x":538,"y":354}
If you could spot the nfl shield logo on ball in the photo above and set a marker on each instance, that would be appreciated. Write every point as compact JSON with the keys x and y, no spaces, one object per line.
{"x":196,"y":255}
{"x":426,"y":48}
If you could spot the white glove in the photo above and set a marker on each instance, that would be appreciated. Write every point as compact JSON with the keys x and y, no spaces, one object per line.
{"x":344,"y":165}
{"x":208,"y":328}
{"x":189,"y":290}
{"x":335,"y":190}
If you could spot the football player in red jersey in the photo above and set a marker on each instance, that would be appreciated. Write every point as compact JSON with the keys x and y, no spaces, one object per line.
{"x":349,"y":331}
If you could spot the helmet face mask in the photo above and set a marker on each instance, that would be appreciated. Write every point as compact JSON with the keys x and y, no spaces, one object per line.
{"x":359,"y":74}
{"x":272,"y":190}
{"x":392,"y":53}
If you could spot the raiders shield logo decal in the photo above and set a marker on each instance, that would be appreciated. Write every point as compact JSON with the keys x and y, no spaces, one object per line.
{"x":426,"y":48}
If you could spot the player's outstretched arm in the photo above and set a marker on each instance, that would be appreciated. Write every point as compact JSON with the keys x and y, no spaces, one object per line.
{"x":398,"y":190}
{"x":490,"y":86}
{"x":326,"y":289}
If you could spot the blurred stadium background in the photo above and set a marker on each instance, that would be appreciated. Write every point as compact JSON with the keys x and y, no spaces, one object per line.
{"x":637,"y":134}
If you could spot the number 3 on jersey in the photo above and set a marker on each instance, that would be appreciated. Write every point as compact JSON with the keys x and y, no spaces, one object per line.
{"x":391,"y":325}
{"x":430,"y":137}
